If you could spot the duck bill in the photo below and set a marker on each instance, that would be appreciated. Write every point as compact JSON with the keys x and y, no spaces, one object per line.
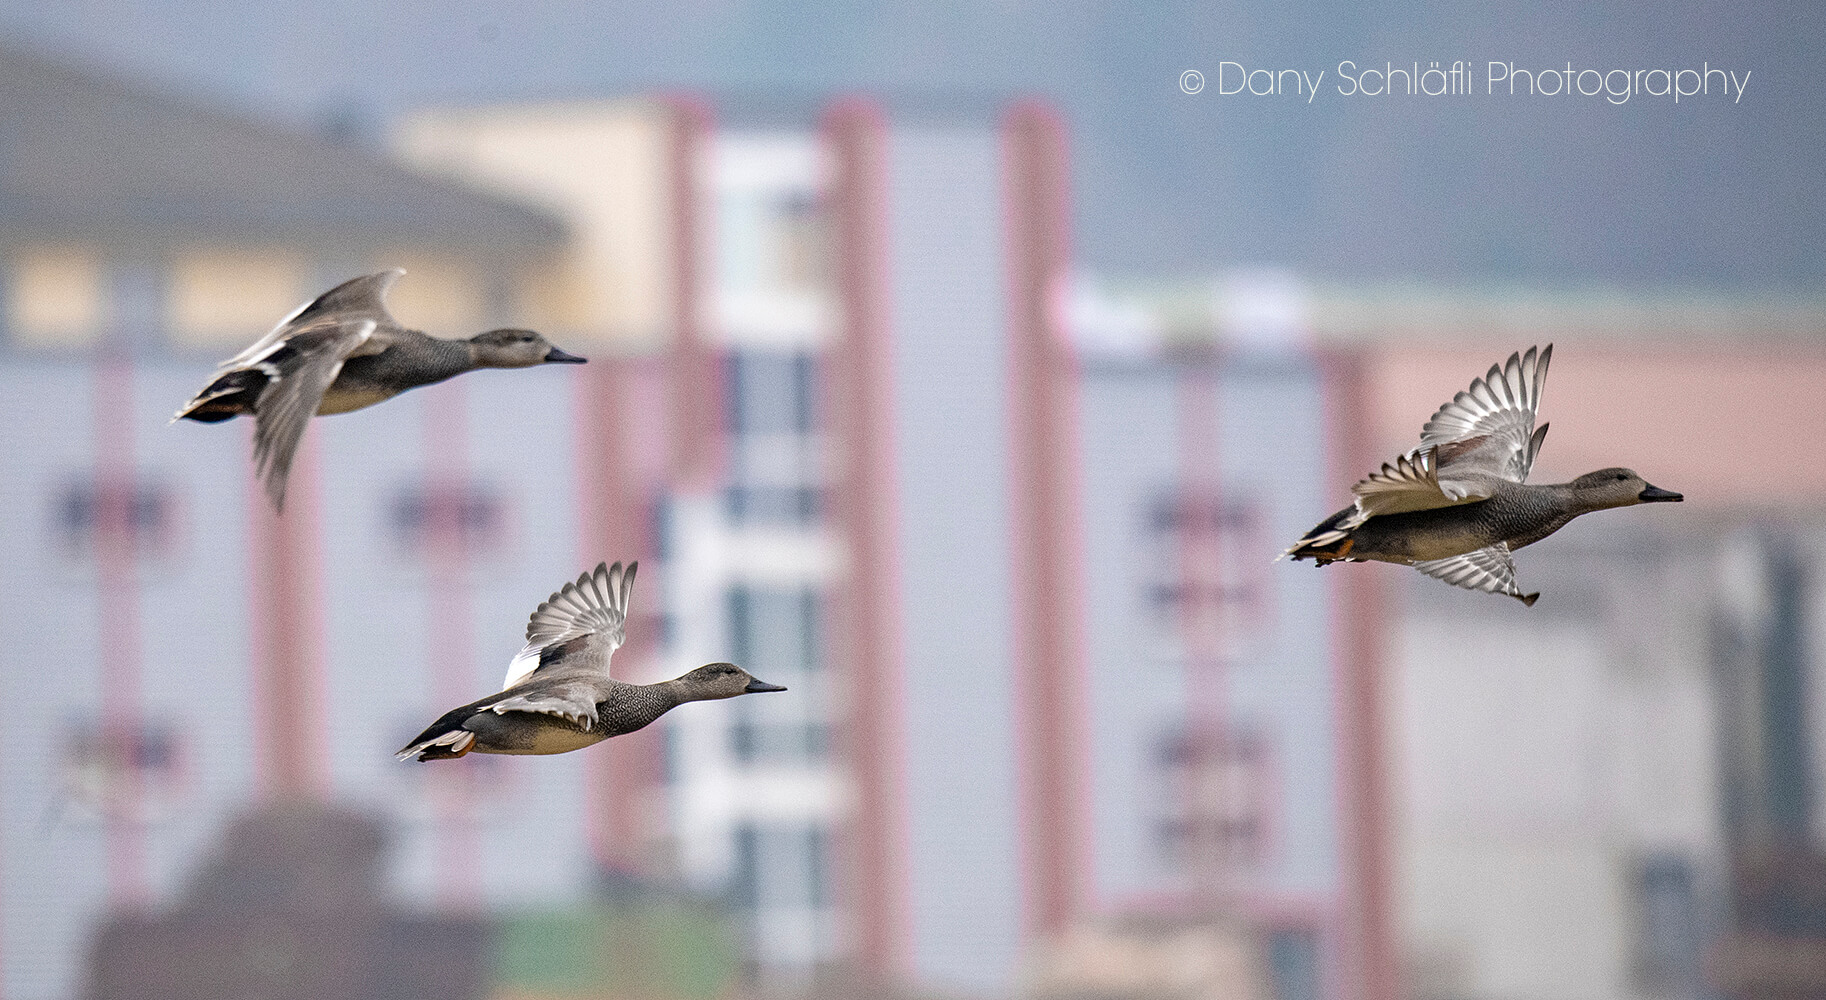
{"x":558,"y":357}
{"x":1655,"y":494}
{"x":756,"y":687}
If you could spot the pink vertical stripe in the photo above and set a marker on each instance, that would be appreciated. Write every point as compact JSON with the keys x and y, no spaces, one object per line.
{"x":1049,"y":631}
{"x":449,"y":646}
{"x":286,"y":608}
{"x":864,"y":628}
{"x":697,"y":401}
{"x":1360,"y":606}
{"x":615,"y":485}
{"x":121,"y":648}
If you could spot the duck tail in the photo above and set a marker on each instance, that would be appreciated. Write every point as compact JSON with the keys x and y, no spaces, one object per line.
{"x":232,"y":394}
{"x":1329,"y":542}
{"x":445,"y":746}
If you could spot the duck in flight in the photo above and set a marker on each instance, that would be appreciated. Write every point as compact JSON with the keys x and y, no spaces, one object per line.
{"x":558,"y":693}
{"x":339,"y":352}
{"x":1458,"y":505}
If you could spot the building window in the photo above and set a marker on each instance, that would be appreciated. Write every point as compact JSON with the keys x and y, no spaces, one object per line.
{"x":89,"y":512}
{"x":780,"y":866}
{"x":1215,"y":796}
{"x":56,"y":297}
{"x":228,"y":298}
{"x":774,"y":629}
{"x":1206,"y":556}
{"x":802,"y":221}
{"x":113,"y":767}
{"x":781,"y":505}
{"x":1293,"y":963}
{"x":429,"y":520}
{"x":772,"y":413}
{"x":1667,"y":925}
{"x":773,"y":633}
{"x":745,"y":875}
{"x":771,"y":392}
{"x":817,"y":851}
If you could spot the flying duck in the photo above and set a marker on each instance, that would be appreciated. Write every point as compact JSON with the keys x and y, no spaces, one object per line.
{"x":339,"y":352}
{"x":558,"y":693}
{"x":1458,"y":505}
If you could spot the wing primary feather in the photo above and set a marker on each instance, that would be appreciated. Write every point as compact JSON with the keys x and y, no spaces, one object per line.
{"x":593,"y":606}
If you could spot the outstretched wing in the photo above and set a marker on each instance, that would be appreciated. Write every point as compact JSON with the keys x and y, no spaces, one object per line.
{"x":299,"y":358}
{"x":1492,"y":421}
{"x":352,"y":301}
{"x":1485,"y":434}
{"x":1488,"y":569}
{"x":582,"y":624}
{"x":299,"y":370}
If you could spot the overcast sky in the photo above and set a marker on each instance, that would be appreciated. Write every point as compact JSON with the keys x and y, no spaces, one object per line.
{"x":1720,"y":190}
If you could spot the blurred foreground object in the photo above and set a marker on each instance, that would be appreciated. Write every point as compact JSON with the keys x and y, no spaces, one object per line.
{"x":1159,"y":958}
{"x":1455,"y":507}
{"x":287,"y":908}
{"x":656,"y":944}
{"x":1778,"y":947}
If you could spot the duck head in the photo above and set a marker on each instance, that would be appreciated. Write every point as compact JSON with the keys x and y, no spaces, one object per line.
{"x":1618,"y":488}
{"x":721,"y":680}
{"x":510,"y":348}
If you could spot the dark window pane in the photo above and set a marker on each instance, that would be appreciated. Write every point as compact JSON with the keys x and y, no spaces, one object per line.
{"x":745,"y":877}
{"x":1293,"y":964}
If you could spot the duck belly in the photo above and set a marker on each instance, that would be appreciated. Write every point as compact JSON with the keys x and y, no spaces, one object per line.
{"x":1422,"y":535}
{"x":528,"y":733}
{"x":339,"y":399}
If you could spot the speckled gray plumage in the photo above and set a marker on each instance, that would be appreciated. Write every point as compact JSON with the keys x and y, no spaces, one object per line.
{"x":1456,"y":507}
{"x":415,"y":359}
{"x":558,"y":695}
{"x":624,"y":708}
{"x":340,"y":352}
{"x":1517,"y":515}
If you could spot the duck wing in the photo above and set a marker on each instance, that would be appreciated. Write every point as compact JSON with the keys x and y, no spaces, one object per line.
{"x":572,"y":700}
{"x":1482,"y":438}
{"x":354,"y":300}
{"x":1487,"y":569}
{"x":1412,"y":482}
{"x":1488,"y":429}
{"x":290,"y":368}
{"x":579,"y":627}
{"x":299,"y":371}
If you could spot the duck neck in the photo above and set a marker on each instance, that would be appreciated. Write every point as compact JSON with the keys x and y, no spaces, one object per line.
{"x":1575,"y":501}
{"x":448,"y":358}
{"x":633,"y":706}
{"x":683,"y":692}
{"x":1562,"y":495}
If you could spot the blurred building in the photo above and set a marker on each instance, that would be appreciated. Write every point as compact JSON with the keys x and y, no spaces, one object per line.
{"x":1058,"y":724}
{"x":879,"y":298}
{"x":187,"y":651}
{"x":1614,"y":793}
